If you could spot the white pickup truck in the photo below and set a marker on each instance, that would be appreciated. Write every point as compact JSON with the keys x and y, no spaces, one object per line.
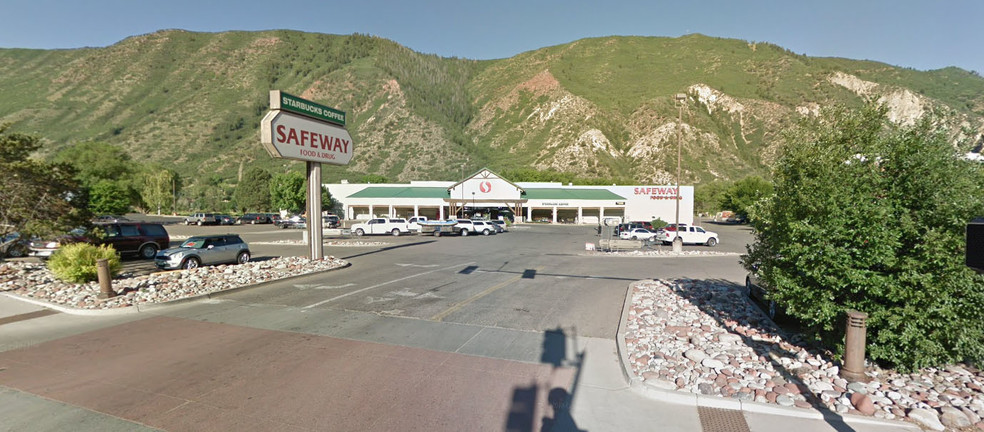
{"x":413,"y":224}
{"x":395,"y":226}
{"x":689,"y":235}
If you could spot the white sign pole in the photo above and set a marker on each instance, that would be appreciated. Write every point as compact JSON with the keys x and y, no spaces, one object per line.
{"x":314,"y":210}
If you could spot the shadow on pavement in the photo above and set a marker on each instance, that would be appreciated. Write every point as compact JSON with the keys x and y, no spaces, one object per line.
{"x":728,"y":304}
{"x":522,"y":412}
{"x":388,"y":248}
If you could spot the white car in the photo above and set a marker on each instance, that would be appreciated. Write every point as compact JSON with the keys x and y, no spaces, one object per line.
{"x":690,"y":235}
{"x":483,"y":227}
{"x":637,"y":234}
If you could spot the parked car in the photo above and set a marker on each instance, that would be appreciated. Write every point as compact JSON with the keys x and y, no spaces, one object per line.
{"x":201,"y":219}
{"x":204,"y":250}
{"x":759,"y":292}
{"x":643,"y":224}
{"x":637,"y":234}
{"x":225,"y":219}
{"x":500,"y":225}
{"x":109,"y":219}
{"x":128,"y":238}
{"x":464,"y":227}
{"x":331,"y":221}
{"x":254,"y":218}
{"x":689,"y":235}
{"x":292,"y":222}
{"x":395,"y":226}
{"x":483,"y":227}
{"x":13,"y":246}
{"x":413,"y":224}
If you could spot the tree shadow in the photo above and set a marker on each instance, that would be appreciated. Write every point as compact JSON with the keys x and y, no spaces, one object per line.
{"x":730,"y":306}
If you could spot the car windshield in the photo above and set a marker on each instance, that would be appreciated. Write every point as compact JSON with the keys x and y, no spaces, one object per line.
{"x":194,"y":243}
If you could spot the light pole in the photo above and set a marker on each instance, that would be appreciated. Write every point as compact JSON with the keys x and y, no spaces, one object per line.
{"x":678,"y":241}
{"x":473,"y":204}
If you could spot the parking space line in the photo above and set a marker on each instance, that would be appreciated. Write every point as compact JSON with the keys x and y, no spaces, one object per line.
{"x":457,"y":306}
{"x":384,"y":284}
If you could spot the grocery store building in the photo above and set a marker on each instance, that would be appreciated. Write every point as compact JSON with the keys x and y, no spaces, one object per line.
{"x":486,"y":194}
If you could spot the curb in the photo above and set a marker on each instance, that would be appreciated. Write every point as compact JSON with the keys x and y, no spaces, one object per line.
{"x":651,"y":391}
{"x":147,"y":307}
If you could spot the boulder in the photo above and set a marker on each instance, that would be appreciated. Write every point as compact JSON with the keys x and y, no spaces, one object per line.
{"x":927,"y":418}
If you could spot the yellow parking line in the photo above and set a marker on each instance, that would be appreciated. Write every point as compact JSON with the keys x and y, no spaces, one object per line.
{"x":457,"y":306}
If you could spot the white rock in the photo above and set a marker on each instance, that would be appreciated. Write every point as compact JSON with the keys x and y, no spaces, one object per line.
{"x":712,"y":363}
{"x":928,"y":418}
{"x":954,"y":418}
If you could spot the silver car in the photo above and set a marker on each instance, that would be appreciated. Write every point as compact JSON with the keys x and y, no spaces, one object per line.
{"x":204,"y":250}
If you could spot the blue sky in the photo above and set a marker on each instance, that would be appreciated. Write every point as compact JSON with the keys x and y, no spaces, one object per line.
{"x":918,"y":34}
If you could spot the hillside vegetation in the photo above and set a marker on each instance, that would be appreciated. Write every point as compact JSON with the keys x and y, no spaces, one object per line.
{"x":598,"y":108}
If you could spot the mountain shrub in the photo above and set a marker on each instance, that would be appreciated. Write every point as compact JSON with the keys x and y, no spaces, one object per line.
{"x":76,"y":262}
{"x":870,"y":215}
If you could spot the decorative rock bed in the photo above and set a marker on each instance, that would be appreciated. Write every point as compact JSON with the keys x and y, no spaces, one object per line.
{"x":34,"y":280}
{"x":710,"y":339}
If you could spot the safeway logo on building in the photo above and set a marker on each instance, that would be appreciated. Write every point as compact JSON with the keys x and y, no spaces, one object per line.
{"x":290,"y":136}
{"x":485,"y":187}
{"x":660,"y":191}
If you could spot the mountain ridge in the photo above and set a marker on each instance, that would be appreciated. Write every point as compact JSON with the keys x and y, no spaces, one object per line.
{"x":596,"y":107}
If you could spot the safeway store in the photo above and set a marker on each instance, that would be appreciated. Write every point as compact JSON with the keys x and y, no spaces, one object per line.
{"x":486,"y":194}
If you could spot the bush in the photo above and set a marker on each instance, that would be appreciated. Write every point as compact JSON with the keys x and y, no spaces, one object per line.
{"x":77,"y":262}
{"x":659,"y":224}
{"x":868,"y":215}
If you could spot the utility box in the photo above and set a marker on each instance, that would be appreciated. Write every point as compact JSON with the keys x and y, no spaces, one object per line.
{"x":975,"y":245}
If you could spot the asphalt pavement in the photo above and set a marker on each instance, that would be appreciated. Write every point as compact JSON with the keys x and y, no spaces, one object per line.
{"x":514,"y":332}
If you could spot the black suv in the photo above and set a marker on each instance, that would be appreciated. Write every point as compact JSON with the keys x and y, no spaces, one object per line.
{"x":128,"y":238}
{"x":254,"y":218}
{"x":134,"y":238}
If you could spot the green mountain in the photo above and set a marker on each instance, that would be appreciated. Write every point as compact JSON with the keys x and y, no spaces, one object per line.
{"x":601,"y":107}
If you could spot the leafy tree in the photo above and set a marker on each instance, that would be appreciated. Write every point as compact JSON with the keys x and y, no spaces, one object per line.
{"x":97,"y":162}
{"x":708,"y":196}
{"x":37,"y":197}
{"x":108,"y":197}
{"x":374,"y":178}
{"x":742,"y":195}
{"x":288,"y":191}
{"x":253,"y":192}
{"x":868,"y":215}
{"x":159,"y":188}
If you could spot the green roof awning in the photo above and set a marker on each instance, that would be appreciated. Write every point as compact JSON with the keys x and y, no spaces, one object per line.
{"x":401,"y":192}
{"x":571,"y":194}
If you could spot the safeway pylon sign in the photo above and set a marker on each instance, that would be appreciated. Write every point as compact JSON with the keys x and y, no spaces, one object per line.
{"x":291,"y":136}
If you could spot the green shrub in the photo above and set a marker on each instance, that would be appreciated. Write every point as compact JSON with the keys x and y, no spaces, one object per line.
{"x":659,"y":223}
{"x":869,"y":215}
{"x":77,"y":262}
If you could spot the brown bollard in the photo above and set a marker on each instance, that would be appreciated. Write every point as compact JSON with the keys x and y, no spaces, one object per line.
{"x":853,"y":369}
{"x":105,"y":280}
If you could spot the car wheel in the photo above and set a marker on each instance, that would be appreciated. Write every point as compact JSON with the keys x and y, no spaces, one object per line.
{"x":712,"y":242}
{"x":396,"y":232}
{"x":464,"y":232}
{"x":359,"y":232}
{"x":252,"y":222}
{"x":190,"y":263}
{"x":485,"y":232}
{"x":200,"y":223}
{"x":148,"y":251}
{"x":16,"y":252}
{"x":243,"y":257}
{"x":635,"y":238}
{"x":437,"y":233}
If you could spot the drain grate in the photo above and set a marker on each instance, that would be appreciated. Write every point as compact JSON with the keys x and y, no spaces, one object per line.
{"x":721,"y":420}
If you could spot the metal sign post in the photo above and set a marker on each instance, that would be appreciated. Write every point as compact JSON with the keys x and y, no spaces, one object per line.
{"x":300,"y":129}
{"x":314,"y":210}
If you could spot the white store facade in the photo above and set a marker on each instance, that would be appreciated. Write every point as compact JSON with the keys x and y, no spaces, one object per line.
{"x":486,"y":194}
